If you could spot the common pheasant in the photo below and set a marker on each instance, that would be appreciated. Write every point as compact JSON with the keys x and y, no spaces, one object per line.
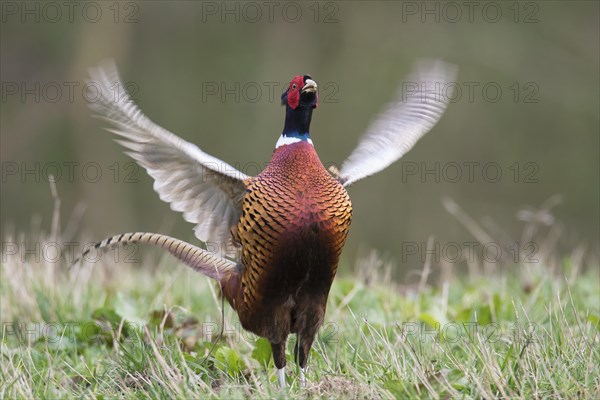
{"x":282,"y":231}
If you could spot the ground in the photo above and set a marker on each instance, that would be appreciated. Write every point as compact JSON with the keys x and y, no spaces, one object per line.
{"x":150,"y":329}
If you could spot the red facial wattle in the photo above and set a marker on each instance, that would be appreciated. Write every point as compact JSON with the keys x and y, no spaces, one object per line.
{"x":293,"y":96}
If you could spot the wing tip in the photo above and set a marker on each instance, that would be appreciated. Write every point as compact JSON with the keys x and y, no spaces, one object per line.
{"x":414,"y":112}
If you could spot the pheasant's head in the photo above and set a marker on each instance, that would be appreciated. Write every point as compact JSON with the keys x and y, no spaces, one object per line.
{"x":300,"y":99}
{"x":302,"y":93}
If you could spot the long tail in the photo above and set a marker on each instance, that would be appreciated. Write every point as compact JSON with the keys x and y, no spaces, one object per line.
{"x":198,"y":259}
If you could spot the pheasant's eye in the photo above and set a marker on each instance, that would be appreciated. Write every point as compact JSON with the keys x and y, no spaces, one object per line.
{"x":293,"y":86}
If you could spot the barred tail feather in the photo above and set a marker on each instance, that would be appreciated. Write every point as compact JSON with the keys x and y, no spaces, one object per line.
{"x":194,"y":257}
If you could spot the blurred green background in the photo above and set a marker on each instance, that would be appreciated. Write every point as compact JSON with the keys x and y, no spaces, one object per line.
{"x":541,"y":129}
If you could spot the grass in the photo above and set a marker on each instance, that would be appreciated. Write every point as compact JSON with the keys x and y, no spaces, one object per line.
{"x":106,"y":329}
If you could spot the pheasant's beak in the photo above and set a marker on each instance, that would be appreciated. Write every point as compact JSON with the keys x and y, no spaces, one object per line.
{"x":310,"y":86}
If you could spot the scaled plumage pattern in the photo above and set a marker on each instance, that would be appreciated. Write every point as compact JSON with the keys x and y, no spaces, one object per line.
{"x":282,"y":231}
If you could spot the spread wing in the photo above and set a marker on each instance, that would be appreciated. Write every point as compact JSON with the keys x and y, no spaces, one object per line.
{"x":419,"y":104}
{"x":206,"y":190}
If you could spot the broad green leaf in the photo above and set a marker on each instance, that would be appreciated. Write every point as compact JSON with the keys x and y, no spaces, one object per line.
{"x":262,"y":351}
{"x":230,"y":359}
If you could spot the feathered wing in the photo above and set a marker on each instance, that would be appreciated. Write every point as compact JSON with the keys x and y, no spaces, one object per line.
{"x":206,"y":190}
{"x":419,"y":104}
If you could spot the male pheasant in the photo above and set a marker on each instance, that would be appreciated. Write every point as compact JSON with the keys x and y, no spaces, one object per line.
{"x":290,"y":222}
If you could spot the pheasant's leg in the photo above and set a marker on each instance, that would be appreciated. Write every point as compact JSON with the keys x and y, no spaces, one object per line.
{"x":301,"y":350}
{"x":278,"y":350}
{"x":302,"y":370}
{"x":281,"y":377}
{"x":306,"y":342}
